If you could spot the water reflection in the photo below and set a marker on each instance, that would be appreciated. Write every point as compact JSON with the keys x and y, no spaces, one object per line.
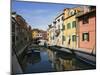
{"x":45,"y":60}
{"x":34,"y":58}
{"x":61,"y":61}
{"x":31,"y":58}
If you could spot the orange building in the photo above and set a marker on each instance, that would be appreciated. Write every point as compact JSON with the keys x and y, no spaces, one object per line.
{"x":87,"y":30}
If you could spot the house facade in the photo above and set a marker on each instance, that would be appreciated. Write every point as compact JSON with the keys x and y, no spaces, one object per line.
{"x":74,"y":28}
{"x":35,"y":33}
{"x":21,"y":32}
{"x":51,"y":34}
{"x":70,"y":23}
{"x":59,"y":28}
{"x":87,"y":30}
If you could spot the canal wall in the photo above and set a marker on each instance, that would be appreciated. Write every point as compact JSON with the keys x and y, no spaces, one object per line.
{"x":17,"y":67}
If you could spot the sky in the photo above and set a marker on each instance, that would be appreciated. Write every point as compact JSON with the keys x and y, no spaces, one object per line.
{"x":38,"y":15}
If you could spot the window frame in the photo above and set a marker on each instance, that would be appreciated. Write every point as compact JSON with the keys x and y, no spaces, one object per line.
{"x":63,"y":27}
{"x":73,"y":38}
{"x":63,"y":38}
{"x":85,"y":19}
{"x":68,"y":25}
{"x":74,"y":24}
{"x":85,"y":36}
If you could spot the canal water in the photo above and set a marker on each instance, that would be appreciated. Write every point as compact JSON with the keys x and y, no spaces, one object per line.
{"x":46,"y":60}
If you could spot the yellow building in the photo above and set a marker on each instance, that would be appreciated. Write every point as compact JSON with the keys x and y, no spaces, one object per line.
{"x":70,"y":23}
{"x":35,"y":33}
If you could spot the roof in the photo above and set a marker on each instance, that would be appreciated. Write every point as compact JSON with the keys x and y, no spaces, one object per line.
{"x":38,"y":30}
{"x":59,"y":15}
{"x":80,"y":15}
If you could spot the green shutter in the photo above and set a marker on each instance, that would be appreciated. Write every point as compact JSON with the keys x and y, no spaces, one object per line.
{"x":74,"y":38}
{"x":73,"y":24}
{"x":63,"y":37}
{"x":68,"y":26}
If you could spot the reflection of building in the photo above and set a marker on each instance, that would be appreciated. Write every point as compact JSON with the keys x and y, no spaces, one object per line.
{"x":67,"y":61}
{"x":87,"y":29}
{"x":70,"y":23}
{"x":35,"y":58}
{"x":61,"y":61}
{"x":21,"y":32}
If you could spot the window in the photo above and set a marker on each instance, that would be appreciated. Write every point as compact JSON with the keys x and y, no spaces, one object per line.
{"x":13,"y":39}
{"x":73,"y":38}
{"x":72,"y":12}
{"x":17,"y":38}
{"x":58,"y":20}
{"x":25,"y":38}
{"x":63,"y":38}
{"x":74,"y":24}
{"x":68,"y":26}
{"x":63,"y":27}
{"x":50,"y":38}
{"x":53,"y":38}
{"x":85,"y":36}
{"x":58,"y":27}
{"x":85,"y":19}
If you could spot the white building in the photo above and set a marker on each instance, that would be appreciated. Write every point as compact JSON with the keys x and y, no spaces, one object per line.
{"x":51,"y":34}
{"x":59,"y":30}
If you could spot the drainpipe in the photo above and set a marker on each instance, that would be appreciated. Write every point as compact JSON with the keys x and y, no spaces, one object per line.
{"x":77,"y":33}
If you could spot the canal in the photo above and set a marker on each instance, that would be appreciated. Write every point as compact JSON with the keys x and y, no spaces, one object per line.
{"x":45,"y":60}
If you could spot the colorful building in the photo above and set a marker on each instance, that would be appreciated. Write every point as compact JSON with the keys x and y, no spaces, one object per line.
{"x":21,"y":33}
{"x":87,"y":30}
{"x":35,"y":33}
{"x":43,"y":34}
{"x":70,"y":23}
{"x":74,"y":28}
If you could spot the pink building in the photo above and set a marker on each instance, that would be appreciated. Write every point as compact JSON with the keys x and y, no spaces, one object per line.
{"x":87,"y":30}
